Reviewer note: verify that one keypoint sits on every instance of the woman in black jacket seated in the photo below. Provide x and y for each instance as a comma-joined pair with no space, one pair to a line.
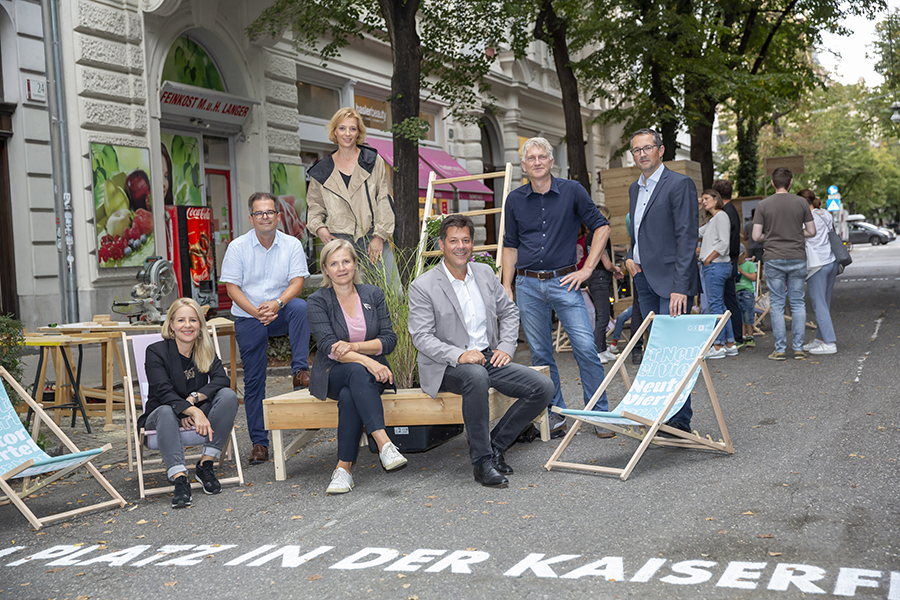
188,388
353,333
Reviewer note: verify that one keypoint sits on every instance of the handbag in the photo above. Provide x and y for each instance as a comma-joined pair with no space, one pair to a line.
841,254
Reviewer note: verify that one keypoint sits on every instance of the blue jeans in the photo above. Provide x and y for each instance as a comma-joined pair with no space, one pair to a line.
536,299
715,275
253,342
787,274
820,287
620,322
651,302
747,302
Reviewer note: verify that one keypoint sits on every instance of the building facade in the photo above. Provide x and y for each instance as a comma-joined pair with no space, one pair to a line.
174,118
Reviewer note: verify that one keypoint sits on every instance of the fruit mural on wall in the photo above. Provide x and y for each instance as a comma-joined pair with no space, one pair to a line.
122,205
289,186
187,62
181,169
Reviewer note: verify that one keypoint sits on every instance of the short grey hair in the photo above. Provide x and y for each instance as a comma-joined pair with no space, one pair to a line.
657,138
540,142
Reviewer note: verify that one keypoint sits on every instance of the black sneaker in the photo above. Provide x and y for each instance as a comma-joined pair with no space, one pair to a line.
182,497
207,476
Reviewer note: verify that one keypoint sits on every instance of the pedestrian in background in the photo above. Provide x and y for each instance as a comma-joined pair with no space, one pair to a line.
717,269
782,222
820,282
723,186
746,295
598,285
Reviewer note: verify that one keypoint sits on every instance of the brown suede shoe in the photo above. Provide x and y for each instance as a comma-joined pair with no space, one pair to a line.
260,454
604,433
301,379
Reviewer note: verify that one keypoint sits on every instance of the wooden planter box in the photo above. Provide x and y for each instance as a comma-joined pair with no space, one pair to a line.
301,410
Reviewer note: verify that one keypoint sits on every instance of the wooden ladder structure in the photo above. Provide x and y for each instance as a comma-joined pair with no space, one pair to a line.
422,253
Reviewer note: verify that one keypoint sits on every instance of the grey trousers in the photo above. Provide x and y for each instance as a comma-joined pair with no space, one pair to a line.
167,424
534,392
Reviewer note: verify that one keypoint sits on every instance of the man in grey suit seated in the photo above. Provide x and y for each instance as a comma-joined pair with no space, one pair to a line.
453,318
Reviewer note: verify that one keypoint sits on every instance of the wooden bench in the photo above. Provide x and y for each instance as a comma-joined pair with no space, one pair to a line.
301,410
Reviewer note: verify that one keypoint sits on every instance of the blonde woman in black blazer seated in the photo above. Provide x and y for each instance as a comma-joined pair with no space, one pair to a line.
354,334
188,387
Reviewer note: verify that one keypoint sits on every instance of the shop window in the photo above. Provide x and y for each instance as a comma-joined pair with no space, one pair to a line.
215,151
187,62
316,101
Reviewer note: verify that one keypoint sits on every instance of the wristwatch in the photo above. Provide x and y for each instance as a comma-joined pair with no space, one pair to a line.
280,303
194,395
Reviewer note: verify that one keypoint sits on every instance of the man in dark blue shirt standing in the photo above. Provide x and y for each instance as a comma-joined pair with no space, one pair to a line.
542,219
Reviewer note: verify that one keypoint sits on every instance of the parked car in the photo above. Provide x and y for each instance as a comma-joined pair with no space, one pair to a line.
861,232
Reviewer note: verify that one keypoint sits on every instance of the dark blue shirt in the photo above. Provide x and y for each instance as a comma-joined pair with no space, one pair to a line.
544,227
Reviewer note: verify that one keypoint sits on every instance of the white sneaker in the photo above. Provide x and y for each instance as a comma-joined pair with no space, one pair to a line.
606,356
341,482
733,351
612,347
713,353
823,348
391,459
812,344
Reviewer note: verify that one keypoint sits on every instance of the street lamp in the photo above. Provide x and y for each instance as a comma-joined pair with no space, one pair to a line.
895,118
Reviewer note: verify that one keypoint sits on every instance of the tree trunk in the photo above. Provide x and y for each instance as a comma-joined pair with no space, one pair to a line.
551,30
703,107
668,123
748,155
400,17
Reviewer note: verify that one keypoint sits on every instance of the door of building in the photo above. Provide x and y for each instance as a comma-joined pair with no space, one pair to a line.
218,198
9,297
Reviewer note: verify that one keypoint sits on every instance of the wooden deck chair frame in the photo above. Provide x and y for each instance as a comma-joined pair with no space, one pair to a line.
644,429
139,437
68,463
422,253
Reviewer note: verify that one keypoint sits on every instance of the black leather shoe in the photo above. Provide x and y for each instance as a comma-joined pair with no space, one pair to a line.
675,425
487,475
500,462
637,356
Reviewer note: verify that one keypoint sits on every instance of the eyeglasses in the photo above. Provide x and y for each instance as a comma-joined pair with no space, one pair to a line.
268,214
538,158
645,150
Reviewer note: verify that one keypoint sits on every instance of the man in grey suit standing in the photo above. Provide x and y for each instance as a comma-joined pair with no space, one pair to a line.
662,259
453,318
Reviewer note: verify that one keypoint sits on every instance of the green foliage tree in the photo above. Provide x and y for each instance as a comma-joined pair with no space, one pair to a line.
835,129
445,48
676,63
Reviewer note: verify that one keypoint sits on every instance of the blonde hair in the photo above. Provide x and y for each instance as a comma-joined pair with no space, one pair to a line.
329,249
604,210
203,346
345,113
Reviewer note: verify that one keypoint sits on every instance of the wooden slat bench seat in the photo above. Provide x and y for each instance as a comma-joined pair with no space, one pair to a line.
301,410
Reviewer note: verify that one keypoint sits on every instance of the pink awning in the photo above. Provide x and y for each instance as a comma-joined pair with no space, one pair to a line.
447,167
386,150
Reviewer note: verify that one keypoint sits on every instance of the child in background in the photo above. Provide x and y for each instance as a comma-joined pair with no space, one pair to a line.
746,296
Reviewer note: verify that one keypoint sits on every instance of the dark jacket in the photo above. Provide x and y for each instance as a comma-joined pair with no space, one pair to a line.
668,235
326,320
167,383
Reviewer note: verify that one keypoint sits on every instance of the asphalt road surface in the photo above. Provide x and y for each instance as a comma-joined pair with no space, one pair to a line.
806,507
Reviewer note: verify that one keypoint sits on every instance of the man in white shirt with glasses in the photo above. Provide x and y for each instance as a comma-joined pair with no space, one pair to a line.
263,271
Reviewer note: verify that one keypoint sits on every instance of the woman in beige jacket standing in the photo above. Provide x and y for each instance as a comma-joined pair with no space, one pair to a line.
349,194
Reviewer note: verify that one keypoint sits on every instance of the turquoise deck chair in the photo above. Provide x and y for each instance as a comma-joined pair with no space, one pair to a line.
673,359
21,458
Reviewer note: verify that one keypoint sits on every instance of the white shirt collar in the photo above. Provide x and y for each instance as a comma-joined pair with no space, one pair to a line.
654,177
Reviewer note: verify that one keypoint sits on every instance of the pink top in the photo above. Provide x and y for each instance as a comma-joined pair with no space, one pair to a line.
356,326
